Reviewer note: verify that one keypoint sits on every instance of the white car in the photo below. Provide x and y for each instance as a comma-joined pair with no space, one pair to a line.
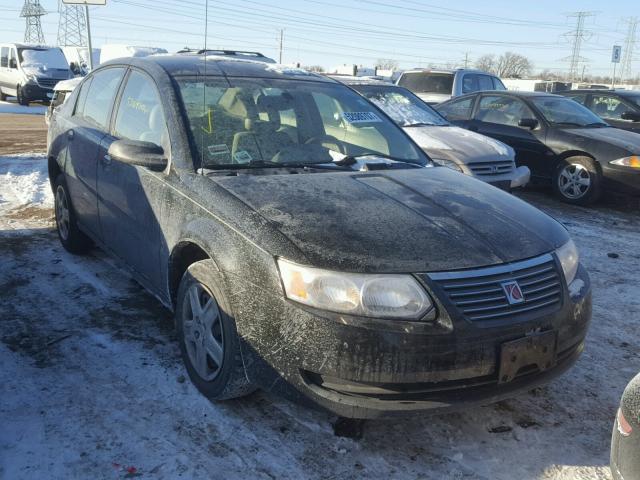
467,152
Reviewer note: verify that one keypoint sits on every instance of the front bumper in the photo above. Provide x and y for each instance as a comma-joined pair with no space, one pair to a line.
368,368
34,92
623,180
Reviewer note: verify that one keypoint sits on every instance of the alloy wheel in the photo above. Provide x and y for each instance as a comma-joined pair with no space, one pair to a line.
62,213
574,181
202,329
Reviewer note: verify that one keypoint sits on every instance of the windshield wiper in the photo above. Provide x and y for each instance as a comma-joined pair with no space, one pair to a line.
353,159
259,164
571,124
597,124
423,124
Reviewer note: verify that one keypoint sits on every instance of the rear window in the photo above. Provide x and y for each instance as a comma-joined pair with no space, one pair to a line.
427,82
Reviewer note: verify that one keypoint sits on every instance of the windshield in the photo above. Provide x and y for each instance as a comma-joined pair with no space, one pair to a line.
43,57
240,122
427,82
401,105
561,110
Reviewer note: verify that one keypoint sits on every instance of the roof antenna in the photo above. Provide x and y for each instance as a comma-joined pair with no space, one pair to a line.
204,81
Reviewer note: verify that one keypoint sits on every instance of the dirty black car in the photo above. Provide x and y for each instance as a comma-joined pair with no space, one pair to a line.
343,271
625,439
562,142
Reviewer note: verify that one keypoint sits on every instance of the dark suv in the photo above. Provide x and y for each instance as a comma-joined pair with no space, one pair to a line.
306,244
620,108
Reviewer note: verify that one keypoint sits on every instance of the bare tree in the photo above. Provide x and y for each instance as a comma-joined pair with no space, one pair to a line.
387,64
486,63
513,65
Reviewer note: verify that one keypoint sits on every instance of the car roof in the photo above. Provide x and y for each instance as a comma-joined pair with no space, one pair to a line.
448,70
211,65
509,93
619,91
351,80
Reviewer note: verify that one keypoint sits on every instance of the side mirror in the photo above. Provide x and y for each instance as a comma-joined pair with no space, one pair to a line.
13,63
529,123
633,116
143,154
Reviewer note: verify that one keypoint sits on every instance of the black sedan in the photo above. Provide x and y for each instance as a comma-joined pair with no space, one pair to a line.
625,440
620,108
306,244
562,142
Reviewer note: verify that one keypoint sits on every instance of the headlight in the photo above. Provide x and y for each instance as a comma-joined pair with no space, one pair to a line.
569,259
448,163
370,295
631,162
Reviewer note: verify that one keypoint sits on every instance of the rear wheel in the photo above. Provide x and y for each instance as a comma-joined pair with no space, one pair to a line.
71,237
207,334
20,97
577,180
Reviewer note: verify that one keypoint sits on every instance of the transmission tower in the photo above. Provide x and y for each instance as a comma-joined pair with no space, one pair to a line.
72,26
577,37
630,42
32,11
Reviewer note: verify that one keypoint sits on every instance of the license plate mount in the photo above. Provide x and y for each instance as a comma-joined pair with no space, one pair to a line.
538,349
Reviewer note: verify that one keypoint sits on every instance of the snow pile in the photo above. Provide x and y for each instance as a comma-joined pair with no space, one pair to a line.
9,107
113,51
25,181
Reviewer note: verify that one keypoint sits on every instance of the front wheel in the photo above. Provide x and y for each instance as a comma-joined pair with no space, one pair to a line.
71,237
207,334
577,180
22,100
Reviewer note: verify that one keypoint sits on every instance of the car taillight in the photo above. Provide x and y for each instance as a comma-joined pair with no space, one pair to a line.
623,426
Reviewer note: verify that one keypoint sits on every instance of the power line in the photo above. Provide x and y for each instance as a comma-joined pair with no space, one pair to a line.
630,42
577,37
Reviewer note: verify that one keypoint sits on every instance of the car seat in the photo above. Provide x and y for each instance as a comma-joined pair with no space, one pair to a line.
157,130
600,109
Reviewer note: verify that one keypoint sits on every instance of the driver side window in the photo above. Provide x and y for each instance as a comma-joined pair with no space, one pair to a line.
502,110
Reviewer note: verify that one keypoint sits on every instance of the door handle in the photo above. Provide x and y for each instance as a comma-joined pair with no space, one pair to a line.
70,134
106,160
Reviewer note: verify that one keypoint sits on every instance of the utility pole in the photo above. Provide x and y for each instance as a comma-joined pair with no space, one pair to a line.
630,42
281,39
577,37
72,26
466,60
32,11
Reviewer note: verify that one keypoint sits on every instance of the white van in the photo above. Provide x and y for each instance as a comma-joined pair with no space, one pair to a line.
29,72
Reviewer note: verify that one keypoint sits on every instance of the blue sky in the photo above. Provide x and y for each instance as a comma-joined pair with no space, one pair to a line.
336,32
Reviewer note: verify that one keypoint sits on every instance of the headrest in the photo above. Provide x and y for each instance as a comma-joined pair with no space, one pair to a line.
155,119
238,103
279,103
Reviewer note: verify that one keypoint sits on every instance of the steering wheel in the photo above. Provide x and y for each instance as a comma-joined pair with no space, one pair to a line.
327,141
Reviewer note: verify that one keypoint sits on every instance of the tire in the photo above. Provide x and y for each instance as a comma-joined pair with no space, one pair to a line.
71,237
21,99
3,96
578,180
222,377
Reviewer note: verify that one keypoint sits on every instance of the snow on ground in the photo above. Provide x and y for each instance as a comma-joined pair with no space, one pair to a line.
13,107
92,385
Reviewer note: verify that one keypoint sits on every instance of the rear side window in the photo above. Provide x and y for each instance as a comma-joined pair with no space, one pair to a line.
581,99
427,82
457,109
497,84
4,57
101,95
140,115
503,110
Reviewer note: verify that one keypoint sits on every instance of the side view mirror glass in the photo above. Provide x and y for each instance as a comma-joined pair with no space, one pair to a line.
143,154
529,123
633,116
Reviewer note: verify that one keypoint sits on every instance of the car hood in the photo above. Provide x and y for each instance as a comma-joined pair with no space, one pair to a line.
614,136
455,143
408,220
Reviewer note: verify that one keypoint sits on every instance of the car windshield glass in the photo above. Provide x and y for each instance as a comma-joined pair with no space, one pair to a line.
401,105
561,110
427,82
268,122
43,57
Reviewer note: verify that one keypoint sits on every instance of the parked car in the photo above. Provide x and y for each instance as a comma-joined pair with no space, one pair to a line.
467,152
339,269
436,86
561,142
625,440
60,93
620,108
29,72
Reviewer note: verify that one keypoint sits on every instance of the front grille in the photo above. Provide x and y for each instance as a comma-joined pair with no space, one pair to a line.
479,295
491,168
47,82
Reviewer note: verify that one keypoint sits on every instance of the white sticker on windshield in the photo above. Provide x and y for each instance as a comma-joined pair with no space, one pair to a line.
220,149
242,156
360,117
